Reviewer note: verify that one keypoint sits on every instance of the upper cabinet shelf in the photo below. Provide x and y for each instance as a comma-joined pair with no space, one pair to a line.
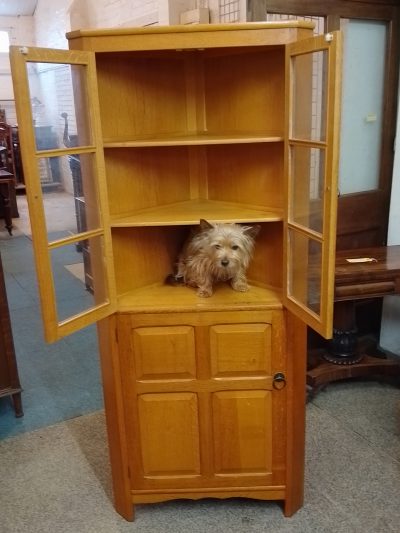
190,212
192,98
194,139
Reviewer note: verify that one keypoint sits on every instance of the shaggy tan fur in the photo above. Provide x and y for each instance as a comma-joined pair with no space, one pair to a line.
217,252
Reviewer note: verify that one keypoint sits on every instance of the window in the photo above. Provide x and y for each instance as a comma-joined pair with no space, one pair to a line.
4,41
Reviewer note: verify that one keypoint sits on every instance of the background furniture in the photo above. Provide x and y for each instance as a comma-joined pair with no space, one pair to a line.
9,379
6,145
7,168
79,200
6,189
347,357
19,170
204,397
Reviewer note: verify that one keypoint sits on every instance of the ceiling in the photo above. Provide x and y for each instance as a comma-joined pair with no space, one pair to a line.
13,8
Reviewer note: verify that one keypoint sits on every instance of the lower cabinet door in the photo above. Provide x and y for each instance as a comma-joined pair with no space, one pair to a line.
200,407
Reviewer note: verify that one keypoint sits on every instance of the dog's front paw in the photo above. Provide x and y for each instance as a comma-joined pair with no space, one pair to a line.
204,292
240,286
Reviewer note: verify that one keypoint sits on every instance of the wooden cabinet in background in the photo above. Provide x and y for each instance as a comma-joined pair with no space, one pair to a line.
204,397
9,378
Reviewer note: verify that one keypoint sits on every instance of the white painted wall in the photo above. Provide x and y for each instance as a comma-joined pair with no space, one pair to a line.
50,25
390,328
110,13
21,32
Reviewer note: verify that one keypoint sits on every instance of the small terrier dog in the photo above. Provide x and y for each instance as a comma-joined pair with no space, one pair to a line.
216,252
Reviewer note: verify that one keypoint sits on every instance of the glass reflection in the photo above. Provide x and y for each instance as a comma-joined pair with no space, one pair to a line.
69,194
305,270
364,71
78,275
59,105
307,186
309,96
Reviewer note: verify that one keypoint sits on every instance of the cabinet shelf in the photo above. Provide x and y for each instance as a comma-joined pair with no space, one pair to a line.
181,139
163,298
191,211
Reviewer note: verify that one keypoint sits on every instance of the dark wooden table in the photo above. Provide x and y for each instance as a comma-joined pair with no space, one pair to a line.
345,356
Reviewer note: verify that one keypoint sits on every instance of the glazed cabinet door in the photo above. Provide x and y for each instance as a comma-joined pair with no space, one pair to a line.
313,69
62,152
202,408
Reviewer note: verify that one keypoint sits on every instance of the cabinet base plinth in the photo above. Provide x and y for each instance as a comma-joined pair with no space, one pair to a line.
276,493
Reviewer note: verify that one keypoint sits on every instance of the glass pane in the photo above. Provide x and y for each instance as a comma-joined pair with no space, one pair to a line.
59,105
307,186
78,274
364,59
69,194
305,266
309,96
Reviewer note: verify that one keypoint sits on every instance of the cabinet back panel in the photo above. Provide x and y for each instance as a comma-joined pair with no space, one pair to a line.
249,173
142,178
144,256
144,95
245,92
266,266
147,177
134,92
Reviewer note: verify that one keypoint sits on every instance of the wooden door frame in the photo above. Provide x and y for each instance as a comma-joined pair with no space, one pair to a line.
369,227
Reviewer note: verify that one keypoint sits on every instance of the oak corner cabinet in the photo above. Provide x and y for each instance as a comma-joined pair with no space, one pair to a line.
204,397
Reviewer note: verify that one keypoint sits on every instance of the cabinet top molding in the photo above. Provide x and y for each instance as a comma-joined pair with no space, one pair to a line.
193,36
190,28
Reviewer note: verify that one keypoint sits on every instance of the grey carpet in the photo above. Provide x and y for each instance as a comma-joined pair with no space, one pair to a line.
57,479
61,380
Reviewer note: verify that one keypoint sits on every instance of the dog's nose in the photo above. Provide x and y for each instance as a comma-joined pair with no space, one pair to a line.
224,262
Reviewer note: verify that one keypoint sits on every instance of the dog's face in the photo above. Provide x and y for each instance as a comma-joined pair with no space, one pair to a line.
214,253
228,246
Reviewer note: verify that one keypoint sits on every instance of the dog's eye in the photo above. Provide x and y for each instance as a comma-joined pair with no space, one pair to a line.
218,246
235,247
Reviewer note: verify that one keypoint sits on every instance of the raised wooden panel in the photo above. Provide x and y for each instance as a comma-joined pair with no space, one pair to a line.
164,352
169,434
240,350
242,423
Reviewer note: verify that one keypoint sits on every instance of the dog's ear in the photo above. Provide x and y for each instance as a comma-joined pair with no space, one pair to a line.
204,225
252,231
